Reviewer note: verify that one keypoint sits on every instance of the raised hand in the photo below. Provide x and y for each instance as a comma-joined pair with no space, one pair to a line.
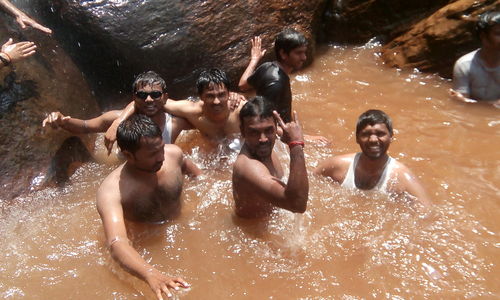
234,100
110,136
55,120
257,53
19,50
161,284
24,21
292,132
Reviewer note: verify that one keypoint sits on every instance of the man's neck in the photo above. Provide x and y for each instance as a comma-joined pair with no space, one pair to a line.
219,119
490,57
137,173
288,70
372,166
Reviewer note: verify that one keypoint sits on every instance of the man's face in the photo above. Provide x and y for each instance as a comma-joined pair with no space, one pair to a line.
374,140
260,135
150,99
150,155
215,98
296,58
491,39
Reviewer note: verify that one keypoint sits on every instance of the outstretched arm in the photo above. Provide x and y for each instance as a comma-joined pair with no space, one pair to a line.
22,18
189,168
78,126
255,55
111,212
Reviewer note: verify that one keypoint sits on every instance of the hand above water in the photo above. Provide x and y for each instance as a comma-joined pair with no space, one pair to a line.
19,50
256,52
55,120
292,132
110,136
24,21
460,97
235,99
162,284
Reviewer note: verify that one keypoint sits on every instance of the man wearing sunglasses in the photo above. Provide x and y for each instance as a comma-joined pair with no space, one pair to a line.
213,116
149,96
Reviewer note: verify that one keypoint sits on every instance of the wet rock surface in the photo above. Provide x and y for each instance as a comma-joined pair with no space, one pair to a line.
45,82
177,38
435,43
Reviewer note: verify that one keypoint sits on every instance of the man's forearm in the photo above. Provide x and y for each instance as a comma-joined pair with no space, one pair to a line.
243,84
130,259
10,8
297,188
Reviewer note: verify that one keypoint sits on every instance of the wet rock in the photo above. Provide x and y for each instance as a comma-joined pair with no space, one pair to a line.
357,21
435,43
177,38
30,89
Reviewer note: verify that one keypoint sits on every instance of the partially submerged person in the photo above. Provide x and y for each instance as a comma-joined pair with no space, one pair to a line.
12,52
373,168
271,79
146,189
212,116
476,75
257,172
149,96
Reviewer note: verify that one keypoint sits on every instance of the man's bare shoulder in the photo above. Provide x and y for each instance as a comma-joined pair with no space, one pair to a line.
335,164
109,189
246,167
172,151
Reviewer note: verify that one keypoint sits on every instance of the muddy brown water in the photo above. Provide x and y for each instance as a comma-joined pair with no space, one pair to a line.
348,245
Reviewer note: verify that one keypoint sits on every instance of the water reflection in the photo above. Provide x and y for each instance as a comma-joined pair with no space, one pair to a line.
347,245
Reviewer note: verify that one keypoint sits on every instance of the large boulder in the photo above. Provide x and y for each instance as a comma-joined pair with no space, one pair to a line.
435,43
114,40
357,21
35,86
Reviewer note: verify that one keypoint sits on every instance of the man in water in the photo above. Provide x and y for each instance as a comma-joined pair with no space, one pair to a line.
271,79
149,96
146,188
212,116
373,168
257,173
476,75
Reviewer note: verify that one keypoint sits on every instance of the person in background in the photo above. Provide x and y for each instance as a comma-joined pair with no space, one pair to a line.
476,75
12,52
145,189
373,168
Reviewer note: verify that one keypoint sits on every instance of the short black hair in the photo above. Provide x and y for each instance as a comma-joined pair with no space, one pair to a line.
256,107
288,39
130,131
207,77
372,117
486,21
148,78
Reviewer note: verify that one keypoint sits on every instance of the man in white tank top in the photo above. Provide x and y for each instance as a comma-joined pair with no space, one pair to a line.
373,168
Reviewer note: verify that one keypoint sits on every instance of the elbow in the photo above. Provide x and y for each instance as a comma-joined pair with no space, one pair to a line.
300,205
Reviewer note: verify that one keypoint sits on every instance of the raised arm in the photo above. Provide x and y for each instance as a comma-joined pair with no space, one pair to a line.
22,18
182,108
78,126
110,136
255,55
111,212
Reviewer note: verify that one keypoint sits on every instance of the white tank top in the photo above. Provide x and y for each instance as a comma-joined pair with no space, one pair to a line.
349,180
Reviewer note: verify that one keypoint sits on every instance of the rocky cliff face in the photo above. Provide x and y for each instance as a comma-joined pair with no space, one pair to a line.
436,42
45,82
176,38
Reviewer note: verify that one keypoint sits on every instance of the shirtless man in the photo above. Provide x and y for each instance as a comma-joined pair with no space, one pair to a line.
149,96
373,168
257,173
146,188
212,115
476,75
271,79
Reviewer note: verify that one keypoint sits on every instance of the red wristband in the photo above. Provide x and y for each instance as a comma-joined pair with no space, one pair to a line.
295,143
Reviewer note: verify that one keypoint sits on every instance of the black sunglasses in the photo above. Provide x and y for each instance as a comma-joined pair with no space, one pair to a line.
144,95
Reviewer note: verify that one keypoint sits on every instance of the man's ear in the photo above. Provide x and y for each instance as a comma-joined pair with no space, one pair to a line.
128,155
283,54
